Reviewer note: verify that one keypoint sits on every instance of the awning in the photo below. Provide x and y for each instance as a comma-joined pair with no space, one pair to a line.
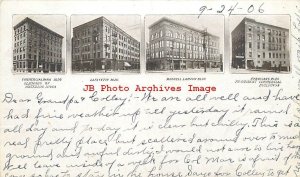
127,64
239,56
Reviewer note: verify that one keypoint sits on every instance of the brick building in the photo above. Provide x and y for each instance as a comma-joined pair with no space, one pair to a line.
101,45
36,48
173,45
258,45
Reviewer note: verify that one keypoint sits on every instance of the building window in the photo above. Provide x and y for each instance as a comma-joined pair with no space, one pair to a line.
263,45
169,33
161,33
250,45
258,45
258,55
269,55
264,55
249,28
250,54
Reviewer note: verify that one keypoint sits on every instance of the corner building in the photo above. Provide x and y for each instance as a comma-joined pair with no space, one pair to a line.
260,46
36,48
101,45
173,45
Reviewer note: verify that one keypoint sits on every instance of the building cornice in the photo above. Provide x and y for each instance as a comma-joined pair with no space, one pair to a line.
102,18
246,19
180,24
29,20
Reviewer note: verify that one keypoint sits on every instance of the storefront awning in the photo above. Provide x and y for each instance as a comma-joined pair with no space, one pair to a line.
127,64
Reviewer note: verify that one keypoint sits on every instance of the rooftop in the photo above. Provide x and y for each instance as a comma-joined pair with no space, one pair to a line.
180,24
29,20
104,19
253,20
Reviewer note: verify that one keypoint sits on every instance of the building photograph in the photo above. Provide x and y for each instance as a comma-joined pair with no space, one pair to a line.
39,43
260,43
109,43
184,43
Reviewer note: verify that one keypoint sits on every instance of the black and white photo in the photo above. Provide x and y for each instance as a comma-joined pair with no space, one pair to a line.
184,43
39,43
260,43
109,43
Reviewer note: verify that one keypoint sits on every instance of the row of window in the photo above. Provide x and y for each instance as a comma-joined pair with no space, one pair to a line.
34,32
88,56
108,48
88,32
177,45
170,54
55,52
20,36
271,55
269,31
177,35
31,56
277,39
270,46
20,43
107,40
31,65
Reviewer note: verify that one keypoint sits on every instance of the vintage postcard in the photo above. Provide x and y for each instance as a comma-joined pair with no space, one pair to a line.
149,88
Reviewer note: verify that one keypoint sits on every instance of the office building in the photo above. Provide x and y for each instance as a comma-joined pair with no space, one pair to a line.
260,46
36,48
101,45
176,46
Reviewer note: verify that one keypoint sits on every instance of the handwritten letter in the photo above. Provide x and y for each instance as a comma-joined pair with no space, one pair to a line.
151,134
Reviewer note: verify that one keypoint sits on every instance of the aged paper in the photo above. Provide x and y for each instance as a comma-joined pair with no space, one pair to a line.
149,88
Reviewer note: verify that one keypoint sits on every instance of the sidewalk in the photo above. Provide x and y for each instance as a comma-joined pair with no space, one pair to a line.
201,70
133,71
249,71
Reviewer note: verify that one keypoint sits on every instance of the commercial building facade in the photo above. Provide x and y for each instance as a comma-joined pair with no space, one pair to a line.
101,45
260,46
36,48
176,46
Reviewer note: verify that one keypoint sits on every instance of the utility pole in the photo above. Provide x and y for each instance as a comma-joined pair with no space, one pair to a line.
95,40
204,48
172,47
106,46
115,42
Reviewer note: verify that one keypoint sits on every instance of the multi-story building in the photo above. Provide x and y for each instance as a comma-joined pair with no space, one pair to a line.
174,45
36,48
101,45
258,45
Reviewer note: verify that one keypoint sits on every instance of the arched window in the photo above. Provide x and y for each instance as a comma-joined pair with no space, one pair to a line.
161,33
169,33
